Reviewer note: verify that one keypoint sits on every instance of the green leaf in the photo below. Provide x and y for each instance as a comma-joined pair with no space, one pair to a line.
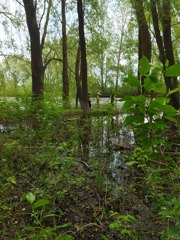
64,225
140,98
131,163
173,71
41,203
148,84
128,103
144,66
30,197
174,230
171,119
12,180
133,81
174,90
64,237
32,229
167,63
155,73
114,225
129,120
169,110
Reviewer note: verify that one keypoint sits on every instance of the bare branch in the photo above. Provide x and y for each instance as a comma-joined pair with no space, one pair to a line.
50,60
20,57
46,24
44,9
58,60
8,15
19,3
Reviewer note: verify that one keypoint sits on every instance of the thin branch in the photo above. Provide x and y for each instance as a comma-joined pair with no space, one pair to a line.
7,14
56,59
46,24
44,9
50,60
19,3
15,56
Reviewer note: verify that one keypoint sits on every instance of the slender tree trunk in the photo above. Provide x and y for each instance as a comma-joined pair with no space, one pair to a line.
102,73
85,98
118,60
36,52
65,58
166,21
78,78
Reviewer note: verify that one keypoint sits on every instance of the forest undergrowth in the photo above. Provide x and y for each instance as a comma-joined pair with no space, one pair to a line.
55,186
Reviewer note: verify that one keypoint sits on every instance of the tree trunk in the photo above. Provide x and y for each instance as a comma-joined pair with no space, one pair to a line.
159,41
78,78
36,53
166,21
65,58
102,72
144,35
85,98
118,60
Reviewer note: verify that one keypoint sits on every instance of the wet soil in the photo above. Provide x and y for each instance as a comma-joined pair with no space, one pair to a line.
98,182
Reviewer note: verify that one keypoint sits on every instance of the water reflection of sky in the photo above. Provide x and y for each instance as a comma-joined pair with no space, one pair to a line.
106,131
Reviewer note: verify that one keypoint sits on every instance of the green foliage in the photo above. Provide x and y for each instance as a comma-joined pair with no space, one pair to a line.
173,71
147,113
171,210
144,66
149,117
123,226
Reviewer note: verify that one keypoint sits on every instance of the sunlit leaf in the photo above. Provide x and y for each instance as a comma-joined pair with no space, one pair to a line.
30,197
174,90
131,163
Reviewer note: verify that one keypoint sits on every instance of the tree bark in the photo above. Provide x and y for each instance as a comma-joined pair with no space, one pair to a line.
36,52
85,98
144,34
102,72
169,54
78,78
65,57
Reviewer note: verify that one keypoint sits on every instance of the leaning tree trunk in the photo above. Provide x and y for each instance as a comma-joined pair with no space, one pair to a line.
144,35
166,22
36,53
85,105
65,58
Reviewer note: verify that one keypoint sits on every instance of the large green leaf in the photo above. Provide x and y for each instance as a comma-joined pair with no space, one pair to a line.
148,84
133,81
173,71
144,66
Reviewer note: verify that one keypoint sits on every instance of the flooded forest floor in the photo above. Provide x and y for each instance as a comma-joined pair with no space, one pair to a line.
72,179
